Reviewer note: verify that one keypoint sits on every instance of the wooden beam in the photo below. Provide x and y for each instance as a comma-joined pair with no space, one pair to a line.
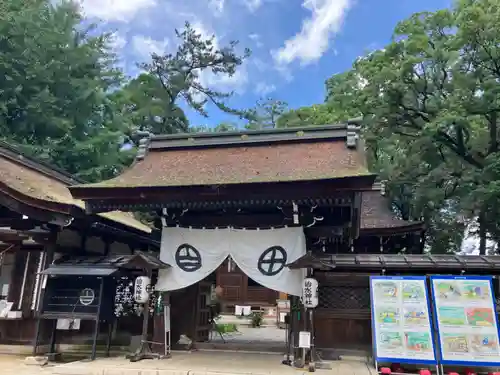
257,219
11,236
152,197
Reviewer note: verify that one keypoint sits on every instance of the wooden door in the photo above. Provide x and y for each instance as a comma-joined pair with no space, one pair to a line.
232,282
342,319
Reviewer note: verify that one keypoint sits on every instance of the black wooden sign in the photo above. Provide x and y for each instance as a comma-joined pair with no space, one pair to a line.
71,296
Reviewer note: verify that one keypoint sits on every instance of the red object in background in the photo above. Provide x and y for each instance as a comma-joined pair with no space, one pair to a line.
493,373
424,372
385,370
469,372
453,373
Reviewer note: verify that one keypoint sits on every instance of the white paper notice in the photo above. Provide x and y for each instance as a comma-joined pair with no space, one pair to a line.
400,320
466,319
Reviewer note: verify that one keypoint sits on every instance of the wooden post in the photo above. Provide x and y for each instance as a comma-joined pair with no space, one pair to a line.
37,334
49,257
144,351
111,324
97,320
53,333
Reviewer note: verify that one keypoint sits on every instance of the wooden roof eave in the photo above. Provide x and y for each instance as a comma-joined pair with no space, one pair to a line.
100,199
420,264
51,212
61,214
399,230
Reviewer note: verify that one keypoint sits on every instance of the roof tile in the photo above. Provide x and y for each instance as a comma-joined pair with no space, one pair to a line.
38,185
376,212
243,164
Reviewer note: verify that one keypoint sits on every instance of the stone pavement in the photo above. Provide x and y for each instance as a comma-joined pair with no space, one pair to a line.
181,363
262,339
249,334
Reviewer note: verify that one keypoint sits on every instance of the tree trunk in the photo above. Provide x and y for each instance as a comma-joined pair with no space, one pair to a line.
482,233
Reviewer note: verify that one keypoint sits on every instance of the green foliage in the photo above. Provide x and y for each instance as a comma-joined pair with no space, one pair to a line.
220,128
54,85
257,318
63,100
144,105
180,74
266,114
317,114
431,100
226,327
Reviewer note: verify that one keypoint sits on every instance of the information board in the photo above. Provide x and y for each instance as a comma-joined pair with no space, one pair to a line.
467,324
401,324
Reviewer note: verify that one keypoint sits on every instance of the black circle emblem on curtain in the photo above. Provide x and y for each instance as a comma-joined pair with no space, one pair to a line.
272,261
188,258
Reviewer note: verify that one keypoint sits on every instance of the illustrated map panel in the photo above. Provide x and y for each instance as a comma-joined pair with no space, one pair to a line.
466,320
400,319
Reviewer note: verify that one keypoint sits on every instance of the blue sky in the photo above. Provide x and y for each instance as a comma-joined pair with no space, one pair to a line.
296,44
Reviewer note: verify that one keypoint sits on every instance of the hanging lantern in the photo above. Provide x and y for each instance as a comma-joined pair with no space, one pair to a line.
141,289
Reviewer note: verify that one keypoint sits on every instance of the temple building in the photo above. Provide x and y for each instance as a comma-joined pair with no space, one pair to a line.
281,204
41,224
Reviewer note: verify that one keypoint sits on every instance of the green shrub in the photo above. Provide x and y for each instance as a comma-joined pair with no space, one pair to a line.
227,328
257,318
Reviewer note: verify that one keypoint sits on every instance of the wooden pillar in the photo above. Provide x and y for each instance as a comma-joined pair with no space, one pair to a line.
43,326
97,320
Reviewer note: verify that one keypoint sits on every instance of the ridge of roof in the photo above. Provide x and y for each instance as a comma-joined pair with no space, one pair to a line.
348,131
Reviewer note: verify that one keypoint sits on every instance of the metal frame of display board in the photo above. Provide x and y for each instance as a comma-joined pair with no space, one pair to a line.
442,361
374,333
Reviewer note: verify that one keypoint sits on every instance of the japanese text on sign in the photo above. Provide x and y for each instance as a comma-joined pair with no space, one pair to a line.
310,293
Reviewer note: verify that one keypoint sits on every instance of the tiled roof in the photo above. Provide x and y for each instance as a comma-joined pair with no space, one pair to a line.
40,183
376,213
244,158
449,263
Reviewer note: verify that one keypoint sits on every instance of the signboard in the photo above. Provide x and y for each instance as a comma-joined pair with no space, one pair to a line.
68,324
304,340
401,324
466,320
141,289
310,293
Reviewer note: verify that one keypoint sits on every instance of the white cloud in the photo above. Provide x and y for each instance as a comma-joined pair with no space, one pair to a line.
114,10
144,46
217,6
117,42
205,32
264,89
237,82
252,5
312,41
256,39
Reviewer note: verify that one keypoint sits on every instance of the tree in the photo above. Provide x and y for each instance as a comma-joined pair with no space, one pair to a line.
54,88
266,114
317,114
435,87
180,76
223,127
143,105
